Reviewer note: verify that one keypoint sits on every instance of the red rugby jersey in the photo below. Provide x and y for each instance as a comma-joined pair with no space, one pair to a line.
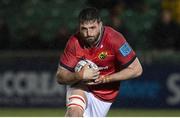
111,55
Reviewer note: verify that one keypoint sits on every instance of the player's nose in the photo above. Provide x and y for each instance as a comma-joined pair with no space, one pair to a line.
89,33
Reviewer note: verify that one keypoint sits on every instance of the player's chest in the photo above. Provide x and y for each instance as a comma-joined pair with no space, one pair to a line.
100,56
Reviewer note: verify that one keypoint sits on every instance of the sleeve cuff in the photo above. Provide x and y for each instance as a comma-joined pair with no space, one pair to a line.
67,67
128,63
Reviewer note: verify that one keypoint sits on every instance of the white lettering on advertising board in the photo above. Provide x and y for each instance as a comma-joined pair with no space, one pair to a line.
174,88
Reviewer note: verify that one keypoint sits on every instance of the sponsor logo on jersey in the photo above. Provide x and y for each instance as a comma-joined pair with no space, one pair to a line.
125,49
103,68
102,55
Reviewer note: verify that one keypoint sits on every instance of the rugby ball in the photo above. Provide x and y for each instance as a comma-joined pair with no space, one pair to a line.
81,63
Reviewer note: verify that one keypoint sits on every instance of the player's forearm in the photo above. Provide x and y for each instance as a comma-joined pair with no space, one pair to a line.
125,74
66,77
132,71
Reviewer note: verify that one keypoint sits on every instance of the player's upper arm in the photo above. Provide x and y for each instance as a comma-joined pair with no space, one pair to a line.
123,51
68,59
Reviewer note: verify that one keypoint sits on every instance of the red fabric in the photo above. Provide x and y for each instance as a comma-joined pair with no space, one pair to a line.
108,55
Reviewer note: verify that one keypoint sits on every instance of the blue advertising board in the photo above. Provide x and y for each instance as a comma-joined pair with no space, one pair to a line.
31,82
158,87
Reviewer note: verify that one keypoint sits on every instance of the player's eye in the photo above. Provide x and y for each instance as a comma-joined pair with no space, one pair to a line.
83,29
93,27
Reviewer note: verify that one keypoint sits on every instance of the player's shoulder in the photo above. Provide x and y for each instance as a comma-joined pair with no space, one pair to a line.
112,32
73,38
113,36
72,42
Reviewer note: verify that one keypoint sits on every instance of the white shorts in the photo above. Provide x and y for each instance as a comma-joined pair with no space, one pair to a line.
94,106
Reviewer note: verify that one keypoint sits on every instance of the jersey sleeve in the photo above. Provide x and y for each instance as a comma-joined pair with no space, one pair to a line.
68,59
123,51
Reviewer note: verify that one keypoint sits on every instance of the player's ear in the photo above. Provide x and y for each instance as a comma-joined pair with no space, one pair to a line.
100,23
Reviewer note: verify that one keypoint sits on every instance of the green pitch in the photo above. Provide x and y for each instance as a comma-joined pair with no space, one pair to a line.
55,112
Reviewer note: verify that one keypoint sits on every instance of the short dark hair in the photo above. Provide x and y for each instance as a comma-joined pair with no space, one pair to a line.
89,14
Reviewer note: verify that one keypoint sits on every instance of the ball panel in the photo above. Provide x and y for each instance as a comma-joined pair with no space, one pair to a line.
81,63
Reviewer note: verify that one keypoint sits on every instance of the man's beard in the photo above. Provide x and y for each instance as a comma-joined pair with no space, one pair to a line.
91,40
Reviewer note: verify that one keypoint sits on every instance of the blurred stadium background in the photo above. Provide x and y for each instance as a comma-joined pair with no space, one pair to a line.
33,34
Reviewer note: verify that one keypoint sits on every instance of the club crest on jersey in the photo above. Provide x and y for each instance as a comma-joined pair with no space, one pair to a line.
125,49
102,55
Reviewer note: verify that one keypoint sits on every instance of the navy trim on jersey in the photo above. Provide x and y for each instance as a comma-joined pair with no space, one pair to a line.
67,67
127,64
